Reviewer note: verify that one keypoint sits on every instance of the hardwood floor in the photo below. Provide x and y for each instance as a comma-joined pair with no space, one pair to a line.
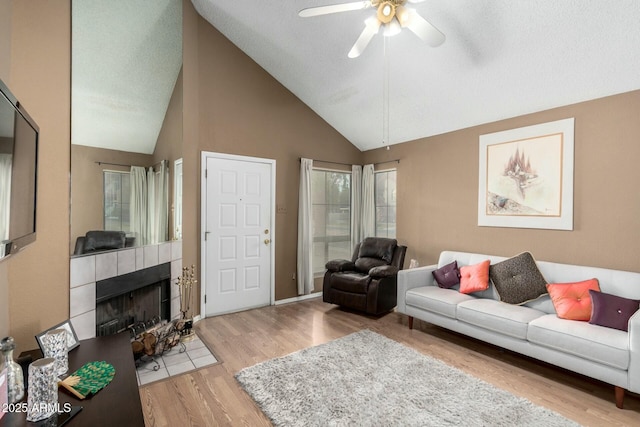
211,396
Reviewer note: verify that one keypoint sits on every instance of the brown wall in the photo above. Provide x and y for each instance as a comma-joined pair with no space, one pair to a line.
438,190
169,144
38,277
5,62
243,110
86,184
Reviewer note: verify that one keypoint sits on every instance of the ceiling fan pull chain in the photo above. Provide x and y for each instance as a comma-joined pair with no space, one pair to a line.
385,92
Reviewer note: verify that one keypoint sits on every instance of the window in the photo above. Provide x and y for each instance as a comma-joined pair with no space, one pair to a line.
331,216
385,196
116,200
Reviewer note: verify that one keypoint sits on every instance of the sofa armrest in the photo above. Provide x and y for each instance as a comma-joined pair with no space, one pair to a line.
413,278
634,353
340,265
383,271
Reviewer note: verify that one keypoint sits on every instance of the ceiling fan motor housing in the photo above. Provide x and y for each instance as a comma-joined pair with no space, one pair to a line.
387,9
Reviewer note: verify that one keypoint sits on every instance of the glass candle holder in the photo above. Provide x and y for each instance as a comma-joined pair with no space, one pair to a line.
42,396
55,346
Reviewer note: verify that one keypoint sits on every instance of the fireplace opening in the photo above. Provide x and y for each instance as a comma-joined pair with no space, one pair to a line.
124,302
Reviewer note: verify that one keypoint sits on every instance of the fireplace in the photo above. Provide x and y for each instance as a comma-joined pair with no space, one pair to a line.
140,297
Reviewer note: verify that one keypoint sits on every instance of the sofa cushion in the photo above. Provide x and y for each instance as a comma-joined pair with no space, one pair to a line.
517,279
612,311
572,300
511,320
596,343
365,264
378,247
437,300
474,278
447,275
350,282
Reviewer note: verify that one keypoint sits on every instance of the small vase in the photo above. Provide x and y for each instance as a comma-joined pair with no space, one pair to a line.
15,379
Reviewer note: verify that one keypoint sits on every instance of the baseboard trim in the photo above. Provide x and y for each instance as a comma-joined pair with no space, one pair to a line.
298,299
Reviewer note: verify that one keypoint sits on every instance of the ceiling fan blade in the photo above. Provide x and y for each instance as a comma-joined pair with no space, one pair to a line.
325,10
423,29
371,29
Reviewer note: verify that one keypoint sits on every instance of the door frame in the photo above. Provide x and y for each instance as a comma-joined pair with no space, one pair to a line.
203,217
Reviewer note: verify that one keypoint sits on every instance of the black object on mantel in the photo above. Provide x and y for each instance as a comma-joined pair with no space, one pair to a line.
118,404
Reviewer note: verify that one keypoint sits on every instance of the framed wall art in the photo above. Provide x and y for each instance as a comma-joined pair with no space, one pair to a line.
72,338
526,177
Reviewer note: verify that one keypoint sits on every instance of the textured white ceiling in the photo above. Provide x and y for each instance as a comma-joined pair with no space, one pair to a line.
501,59
126,57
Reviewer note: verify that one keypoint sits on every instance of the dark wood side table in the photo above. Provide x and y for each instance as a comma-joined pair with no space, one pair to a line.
118,404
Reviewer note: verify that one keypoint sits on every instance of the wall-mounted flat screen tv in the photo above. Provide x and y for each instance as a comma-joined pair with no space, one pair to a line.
18,174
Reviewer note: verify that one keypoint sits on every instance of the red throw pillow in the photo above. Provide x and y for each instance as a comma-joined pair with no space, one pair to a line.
474,278
572,300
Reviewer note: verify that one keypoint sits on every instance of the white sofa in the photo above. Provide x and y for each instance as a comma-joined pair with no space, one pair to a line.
533,329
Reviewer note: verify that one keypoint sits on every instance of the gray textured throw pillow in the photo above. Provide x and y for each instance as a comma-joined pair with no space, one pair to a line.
517,279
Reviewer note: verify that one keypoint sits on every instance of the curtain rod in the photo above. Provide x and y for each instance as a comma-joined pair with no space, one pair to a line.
126,166
349,164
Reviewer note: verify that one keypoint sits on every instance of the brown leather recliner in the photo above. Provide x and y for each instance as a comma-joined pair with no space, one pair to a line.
368,282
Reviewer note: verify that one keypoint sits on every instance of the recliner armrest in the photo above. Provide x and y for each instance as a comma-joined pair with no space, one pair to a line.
340,265
383,271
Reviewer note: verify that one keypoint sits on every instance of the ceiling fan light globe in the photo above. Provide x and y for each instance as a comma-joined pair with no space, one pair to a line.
403,15
392,28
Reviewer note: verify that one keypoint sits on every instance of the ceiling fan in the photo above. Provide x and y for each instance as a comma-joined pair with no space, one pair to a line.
392,14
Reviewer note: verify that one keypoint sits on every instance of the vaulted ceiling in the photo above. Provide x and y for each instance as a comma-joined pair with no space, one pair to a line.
501,59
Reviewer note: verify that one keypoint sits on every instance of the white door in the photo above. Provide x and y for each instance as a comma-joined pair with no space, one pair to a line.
237,232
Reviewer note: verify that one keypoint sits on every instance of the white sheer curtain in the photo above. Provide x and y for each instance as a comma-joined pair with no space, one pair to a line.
161,211
368,212
138,211
305,230
356,205
152,230
5,194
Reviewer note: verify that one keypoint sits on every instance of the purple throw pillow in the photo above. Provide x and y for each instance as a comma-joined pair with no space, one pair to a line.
612,311
447,275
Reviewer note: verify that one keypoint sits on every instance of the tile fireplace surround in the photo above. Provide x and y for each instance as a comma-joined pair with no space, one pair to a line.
86,270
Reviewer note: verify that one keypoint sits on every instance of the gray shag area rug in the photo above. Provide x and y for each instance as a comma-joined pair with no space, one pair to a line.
366,379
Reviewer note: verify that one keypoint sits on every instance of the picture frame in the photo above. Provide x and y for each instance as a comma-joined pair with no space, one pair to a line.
526,177
72,338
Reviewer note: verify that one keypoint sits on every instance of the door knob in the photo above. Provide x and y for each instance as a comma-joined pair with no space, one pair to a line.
267,241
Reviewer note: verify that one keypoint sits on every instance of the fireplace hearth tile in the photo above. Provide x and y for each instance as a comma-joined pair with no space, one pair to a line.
174,357
181,368
82,271
126,261
150,256
196,356
139,258
164,253
176,250
82,299
151,376
106,266
196,353
204,361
